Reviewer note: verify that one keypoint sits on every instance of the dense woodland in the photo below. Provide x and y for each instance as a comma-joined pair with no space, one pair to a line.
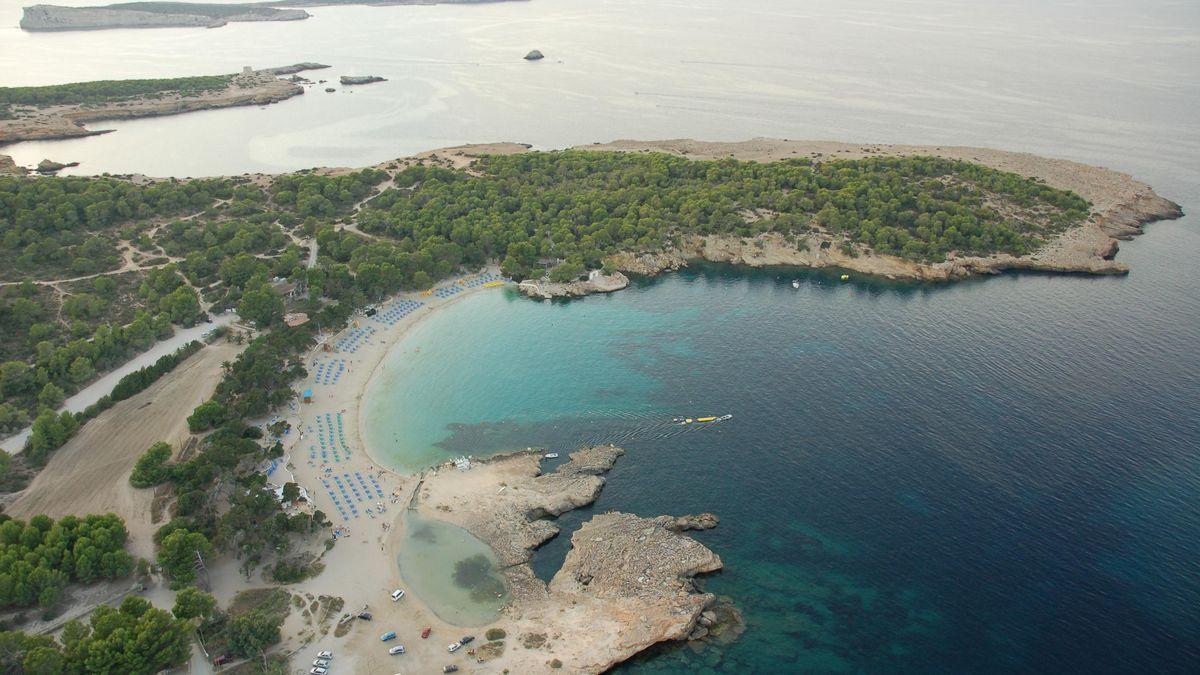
39,558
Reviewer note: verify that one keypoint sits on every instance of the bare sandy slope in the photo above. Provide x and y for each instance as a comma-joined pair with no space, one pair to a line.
90,474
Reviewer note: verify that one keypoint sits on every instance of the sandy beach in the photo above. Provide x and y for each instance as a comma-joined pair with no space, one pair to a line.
361,568
642,593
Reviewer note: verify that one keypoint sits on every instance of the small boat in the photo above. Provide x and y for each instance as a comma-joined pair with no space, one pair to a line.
795,283
425,633
705,419
687,421
725,417
551,455
845,277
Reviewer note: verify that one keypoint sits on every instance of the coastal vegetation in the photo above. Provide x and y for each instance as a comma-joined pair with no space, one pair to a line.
108,91
579,206
132,638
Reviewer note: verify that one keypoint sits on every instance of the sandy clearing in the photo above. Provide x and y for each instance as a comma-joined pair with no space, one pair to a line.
90,474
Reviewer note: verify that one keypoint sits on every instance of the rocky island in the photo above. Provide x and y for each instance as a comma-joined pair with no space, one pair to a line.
61,111
360,79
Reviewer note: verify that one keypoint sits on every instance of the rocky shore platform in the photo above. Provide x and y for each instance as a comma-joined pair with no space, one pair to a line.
627,583
595,283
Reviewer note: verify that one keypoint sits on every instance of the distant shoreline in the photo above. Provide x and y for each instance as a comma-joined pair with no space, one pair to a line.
60,18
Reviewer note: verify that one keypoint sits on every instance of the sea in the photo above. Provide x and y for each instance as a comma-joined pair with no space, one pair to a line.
992,476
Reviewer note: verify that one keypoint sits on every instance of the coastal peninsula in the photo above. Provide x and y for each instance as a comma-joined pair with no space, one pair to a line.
186,14
150,15
61,111
328,269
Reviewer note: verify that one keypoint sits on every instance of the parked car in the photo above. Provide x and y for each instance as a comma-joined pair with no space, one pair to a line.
318,671
449,669
397,594
425,633
454,646
324,654
390,635
222,659
365,616
321,663
398,649
466,639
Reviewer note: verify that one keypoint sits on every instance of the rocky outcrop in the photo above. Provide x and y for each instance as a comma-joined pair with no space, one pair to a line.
295,68
10,168
149,15
1125,220
595,283
50,166
360,79
534,55
647,264
700,521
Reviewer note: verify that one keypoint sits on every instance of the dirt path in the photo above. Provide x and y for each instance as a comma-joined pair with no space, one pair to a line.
90,474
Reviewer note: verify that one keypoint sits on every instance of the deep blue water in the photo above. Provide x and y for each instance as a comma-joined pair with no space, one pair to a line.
990,476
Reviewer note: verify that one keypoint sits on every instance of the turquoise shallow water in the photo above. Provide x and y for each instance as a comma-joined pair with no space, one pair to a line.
991,476
451,570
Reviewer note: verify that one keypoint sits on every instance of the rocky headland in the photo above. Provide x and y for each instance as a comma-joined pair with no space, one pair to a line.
627,583
150,15
250,87
1121,206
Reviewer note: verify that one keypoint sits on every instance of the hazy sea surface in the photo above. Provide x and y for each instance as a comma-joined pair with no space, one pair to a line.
1109,82
991,476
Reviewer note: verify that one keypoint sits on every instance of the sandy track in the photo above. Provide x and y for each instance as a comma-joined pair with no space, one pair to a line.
90,474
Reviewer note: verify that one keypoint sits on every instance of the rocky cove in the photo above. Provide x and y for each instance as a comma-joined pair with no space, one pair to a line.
626,584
